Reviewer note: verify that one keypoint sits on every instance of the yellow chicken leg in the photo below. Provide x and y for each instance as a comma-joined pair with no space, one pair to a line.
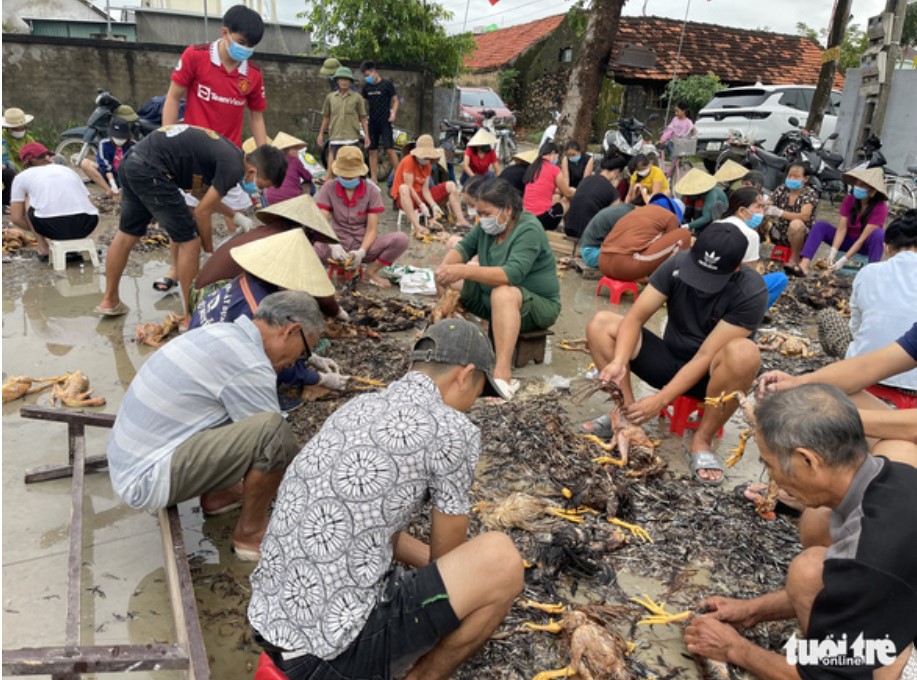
551,627
735,455
658,613
569,516
566,672
635,531
544,607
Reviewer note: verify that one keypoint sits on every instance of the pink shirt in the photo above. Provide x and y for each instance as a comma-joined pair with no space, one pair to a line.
679,127
292,182
854,228
539,195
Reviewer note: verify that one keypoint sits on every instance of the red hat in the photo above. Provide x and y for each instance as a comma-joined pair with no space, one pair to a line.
33,150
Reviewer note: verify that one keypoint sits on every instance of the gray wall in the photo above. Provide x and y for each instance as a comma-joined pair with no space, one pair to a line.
56,79
899,133
171,28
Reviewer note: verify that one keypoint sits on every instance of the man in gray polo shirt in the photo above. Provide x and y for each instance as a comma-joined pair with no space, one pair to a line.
201,418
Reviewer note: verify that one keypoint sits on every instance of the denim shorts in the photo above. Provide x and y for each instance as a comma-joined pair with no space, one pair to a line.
413,615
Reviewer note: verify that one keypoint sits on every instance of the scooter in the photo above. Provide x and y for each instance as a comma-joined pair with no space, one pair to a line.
800,145
453,137
625,139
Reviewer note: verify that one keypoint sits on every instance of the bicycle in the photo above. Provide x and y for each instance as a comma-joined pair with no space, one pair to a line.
902,189
683,148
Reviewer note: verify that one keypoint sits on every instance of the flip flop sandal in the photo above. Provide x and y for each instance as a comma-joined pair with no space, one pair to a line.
781,508
222,511
246,555
705,460
600,427
164,284
120,310
794,270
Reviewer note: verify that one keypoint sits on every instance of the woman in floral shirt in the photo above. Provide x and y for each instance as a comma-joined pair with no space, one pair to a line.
793,209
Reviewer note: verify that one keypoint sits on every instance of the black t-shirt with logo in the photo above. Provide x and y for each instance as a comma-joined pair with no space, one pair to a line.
693,315
379,100
194,158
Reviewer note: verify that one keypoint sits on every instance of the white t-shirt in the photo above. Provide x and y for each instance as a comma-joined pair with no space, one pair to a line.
53,191
753,252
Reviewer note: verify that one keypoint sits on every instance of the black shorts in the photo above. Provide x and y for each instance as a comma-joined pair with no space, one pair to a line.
147,194
413,615
64,227
552,217
656,365
380,134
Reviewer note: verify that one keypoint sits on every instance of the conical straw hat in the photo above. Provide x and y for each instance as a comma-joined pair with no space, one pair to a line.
301,210
285,141
730,171
526,156
286,260
695,183
249,144
873,177
482,138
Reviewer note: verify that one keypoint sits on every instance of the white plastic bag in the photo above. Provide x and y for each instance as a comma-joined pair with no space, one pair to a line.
419,282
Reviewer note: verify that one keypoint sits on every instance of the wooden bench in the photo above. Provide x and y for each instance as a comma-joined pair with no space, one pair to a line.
530,346
72,660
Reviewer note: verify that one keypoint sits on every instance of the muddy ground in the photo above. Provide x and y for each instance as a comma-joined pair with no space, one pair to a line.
705,541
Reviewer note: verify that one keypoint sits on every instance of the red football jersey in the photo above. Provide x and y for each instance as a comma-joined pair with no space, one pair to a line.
216,97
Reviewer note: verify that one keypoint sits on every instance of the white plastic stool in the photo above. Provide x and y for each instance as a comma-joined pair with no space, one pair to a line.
402,214
59,250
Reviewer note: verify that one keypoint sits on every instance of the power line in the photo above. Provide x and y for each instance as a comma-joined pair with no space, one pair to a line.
506,11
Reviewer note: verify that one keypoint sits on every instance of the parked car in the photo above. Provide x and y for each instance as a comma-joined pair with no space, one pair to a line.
758,111
475,100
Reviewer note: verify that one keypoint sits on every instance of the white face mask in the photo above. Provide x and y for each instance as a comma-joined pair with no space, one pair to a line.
643,173
18,134
118,141
492,226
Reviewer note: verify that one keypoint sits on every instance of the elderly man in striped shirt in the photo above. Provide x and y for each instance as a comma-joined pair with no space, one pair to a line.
201,418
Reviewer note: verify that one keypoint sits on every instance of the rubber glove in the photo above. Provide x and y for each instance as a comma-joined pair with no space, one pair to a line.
837,266
338,253
244,223
773,211
424,210
357,256
323,364
333,381
832,256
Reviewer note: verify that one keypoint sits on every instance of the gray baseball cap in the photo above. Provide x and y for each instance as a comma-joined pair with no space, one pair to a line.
458,342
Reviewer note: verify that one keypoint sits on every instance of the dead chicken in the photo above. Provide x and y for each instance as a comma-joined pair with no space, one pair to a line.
521,510
600,495
626,434
153,334
74,391
18,386
597,651
786,344
447,306
14,239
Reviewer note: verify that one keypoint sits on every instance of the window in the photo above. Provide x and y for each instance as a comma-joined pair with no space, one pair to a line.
793,99
735,99
566,55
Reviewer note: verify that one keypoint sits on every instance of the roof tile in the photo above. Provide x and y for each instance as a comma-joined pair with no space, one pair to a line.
497,48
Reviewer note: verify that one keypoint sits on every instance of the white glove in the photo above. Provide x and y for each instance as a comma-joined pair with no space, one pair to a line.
437,212
841,261
244,223
358,256
323,364
773,211
832,256
424,210
342,315
333,381
338,253
115,189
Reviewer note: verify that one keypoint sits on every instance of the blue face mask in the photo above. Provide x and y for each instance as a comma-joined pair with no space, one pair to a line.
793,184
370,79
555,161
349,183
755,220
859,193
239,52
249,187
573,159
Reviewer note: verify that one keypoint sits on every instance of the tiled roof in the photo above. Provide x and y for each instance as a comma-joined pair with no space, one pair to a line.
500,47
736,55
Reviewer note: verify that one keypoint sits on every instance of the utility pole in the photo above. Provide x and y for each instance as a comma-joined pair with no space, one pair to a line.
899,9
829,65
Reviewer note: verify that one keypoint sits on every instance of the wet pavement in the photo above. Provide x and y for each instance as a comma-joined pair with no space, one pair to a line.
49,328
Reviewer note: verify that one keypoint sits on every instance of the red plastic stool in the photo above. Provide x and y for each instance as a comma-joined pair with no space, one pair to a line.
679,412
782,253
267,670
899,399
616,289
336,270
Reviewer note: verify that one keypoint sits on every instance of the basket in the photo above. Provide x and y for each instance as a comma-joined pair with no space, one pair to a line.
684,146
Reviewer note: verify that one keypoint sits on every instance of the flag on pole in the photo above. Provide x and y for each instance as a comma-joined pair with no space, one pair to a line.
494,2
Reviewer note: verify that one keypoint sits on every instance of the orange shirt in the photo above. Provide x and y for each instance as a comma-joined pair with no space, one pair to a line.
410,166
638,229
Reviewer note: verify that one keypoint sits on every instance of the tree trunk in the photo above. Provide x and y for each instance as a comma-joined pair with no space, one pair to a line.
822,93
589,71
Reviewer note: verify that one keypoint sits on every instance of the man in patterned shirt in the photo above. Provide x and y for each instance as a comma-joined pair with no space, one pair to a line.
326,598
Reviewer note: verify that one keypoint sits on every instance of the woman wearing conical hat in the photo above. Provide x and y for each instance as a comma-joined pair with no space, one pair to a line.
298,180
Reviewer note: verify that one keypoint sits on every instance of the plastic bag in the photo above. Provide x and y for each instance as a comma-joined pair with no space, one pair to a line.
418,282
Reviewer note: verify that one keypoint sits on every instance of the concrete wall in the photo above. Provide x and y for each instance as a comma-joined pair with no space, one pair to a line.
899,133
56,79
175,28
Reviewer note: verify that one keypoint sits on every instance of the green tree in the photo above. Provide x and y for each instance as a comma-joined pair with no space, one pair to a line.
855,43
389,31
909,34
695,91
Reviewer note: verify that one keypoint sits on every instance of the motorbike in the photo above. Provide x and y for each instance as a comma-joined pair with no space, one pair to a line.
453,137
506,138
624,138
800,145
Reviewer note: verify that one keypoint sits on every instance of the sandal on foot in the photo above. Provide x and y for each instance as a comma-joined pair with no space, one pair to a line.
794,270
118,310
246,554
229,507
705,460
164,284
781,508
507,389
600,427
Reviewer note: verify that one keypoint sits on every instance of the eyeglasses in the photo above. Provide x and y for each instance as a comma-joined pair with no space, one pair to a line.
305,343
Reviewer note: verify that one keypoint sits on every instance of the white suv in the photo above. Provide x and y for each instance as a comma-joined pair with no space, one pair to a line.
763,111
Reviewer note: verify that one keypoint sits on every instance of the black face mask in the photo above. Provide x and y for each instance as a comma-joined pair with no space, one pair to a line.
484,149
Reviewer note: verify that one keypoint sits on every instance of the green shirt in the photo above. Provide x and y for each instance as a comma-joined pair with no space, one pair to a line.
525,256
711,198
603,222
345,114
13,146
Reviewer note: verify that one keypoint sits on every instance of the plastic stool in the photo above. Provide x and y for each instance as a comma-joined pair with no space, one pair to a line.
342,273
402,215
616,289
782,253
267,670
898,398
679,412
59,250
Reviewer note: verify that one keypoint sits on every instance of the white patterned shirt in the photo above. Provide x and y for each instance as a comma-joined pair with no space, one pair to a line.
203,379
350,490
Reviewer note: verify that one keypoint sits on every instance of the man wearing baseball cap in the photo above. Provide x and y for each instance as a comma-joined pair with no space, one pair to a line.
339,519
714,304
50,200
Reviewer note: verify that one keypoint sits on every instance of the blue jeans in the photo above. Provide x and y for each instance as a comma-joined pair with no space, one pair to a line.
776,283
591,256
